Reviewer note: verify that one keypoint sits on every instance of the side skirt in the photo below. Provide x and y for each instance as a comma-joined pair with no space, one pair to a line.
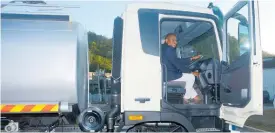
193,118
151,117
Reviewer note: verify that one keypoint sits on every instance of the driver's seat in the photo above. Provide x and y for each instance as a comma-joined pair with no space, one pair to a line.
172,92
175,93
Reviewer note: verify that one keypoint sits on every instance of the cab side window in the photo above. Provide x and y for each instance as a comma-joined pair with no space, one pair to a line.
149,30
237,35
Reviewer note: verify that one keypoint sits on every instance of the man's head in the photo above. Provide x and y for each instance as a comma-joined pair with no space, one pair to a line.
171,40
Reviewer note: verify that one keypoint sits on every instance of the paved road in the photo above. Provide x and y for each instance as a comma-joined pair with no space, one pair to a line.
251,129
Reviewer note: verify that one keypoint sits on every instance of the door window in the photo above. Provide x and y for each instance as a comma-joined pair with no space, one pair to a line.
237,35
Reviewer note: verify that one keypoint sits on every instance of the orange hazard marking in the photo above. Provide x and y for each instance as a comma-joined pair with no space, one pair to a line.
23,108
7,108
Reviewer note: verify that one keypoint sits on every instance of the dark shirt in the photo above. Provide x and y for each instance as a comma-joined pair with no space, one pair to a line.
173,65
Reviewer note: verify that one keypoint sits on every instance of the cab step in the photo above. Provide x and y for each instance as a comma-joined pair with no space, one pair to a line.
208,130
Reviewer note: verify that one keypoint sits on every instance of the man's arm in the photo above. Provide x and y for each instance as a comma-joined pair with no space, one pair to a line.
180,63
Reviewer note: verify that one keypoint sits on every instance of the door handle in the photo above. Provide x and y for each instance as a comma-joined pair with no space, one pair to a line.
142,100
256,63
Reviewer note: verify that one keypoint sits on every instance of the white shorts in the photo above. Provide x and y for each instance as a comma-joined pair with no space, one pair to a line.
186,81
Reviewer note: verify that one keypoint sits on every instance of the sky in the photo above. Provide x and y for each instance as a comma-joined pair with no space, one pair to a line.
97,16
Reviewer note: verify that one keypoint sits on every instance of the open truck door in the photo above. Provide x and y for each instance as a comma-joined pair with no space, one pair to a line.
241,88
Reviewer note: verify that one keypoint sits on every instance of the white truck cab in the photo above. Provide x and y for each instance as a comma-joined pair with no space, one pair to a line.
230,71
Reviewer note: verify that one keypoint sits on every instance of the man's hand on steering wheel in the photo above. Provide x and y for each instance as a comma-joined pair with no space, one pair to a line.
196,57
195,63
196,74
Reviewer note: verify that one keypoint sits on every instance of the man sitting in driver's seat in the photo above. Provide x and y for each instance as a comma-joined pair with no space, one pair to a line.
177,71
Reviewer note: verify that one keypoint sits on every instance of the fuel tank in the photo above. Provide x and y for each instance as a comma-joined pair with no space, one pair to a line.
44,59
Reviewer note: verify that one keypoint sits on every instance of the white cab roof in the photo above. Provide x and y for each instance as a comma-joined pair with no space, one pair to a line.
134,7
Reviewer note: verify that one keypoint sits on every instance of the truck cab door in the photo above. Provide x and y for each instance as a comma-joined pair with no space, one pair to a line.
241,88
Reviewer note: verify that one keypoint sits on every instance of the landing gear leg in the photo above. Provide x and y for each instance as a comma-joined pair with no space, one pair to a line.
54,124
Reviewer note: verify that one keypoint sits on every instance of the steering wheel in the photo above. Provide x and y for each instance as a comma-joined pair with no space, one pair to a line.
193,65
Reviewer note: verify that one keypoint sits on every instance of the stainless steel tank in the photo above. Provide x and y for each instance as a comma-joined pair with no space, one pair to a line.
43,60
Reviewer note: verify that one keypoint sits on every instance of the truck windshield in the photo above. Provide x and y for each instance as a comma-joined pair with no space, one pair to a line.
194,37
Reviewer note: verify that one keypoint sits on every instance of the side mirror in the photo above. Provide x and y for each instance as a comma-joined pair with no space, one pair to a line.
243,38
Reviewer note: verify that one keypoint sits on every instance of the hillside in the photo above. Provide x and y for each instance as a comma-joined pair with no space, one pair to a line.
100,52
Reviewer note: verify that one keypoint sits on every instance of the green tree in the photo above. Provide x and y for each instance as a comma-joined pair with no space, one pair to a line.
234,48
100,52
267,55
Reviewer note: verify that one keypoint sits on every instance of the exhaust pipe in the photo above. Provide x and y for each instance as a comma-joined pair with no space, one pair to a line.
115,105
111,120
